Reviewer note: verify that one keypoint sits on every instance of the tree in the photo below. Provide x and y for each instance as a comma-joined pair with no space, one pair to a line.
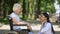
38,11
8,6
24,10
31,8
58,1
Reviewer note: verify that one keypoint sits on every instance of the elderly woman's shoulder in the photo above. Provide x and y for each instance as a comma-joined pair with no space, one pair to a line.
12,15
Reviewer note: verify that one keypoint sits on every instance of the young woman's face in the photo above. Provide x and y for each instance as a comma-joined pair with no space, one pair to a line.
42,17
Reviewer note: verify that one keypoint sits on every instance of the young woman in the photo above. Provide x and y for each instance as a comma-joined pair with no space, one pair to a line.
15,17
46,26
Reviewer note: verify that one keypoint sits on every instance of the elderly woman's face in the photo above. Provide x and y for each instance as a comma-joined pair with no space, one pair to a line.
18,11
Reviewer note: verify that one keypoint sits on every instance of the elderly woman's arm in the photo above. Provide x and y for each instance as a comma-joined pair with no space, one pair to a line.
16,22
21,22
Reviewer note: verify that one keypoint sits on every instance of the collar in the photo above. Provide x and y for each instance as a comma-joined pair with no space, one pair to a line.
45,23
15,14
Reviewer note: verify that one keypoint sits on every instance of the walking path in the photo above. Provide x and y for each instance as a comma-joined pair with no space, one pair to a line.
35,28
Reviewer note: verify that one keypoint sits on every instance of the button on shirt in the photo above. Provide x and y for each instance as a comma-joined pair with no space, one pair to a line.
46,29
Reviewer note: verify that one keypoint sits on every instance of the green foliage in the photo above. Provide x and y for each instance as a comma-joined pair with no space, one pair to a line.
9,5
58,1
4,21
48,5
31,7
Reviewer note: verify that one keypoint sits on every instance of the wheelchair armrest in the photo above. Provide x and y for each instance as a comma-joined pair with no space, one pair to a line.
22,26
19,24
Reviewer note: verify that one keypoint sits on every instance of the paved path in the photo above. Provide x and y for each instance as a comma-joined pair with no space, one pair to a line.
35,28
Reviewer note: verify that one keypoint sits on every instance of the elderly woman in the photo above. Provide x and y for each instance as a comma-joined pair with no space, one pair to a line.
15,17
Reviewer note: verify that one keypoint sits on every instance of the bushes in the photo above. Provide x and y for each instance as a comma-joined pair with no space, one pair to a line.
4,21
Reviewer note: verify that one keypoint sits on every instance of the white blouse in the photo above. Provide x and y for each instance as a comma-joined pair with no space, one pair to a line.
13,15
46,29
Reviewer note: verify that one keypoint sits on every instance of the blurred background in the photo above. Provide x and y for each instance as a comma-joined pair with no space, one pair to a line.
31,9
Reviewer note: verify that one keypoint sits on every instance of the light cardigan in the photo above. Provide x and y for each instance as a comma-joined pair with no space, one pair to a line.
46,29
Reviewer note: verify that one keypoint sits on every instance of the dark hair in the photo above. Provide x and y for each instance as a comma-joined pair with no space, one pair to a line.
47,16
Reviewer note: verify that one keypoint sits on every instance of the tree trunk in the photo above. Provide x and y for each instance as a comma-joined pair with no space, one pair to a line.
24,11
4,11
38,8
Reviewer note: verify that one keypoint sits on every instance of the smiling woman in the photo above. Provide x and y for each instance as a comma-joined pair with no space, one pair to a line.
46,26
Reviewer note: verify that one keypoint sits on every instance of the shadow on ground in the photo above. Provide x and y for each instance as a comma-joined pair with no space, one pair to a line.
35,31
56,32
4,31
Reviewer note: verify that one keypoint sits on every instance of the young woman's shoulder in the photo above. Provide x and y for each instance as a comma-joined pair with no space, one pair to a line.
49,24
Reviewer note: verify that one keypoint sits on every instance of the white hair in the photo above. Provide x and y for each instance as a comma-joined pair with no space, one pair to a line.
16,6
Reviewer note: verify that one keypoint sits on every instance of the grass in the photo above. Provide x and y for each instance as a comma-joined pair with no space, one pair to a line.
4,21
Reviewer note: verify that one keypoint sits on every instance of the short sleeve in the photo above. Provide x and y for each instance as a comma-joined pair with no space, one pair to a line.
13,15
